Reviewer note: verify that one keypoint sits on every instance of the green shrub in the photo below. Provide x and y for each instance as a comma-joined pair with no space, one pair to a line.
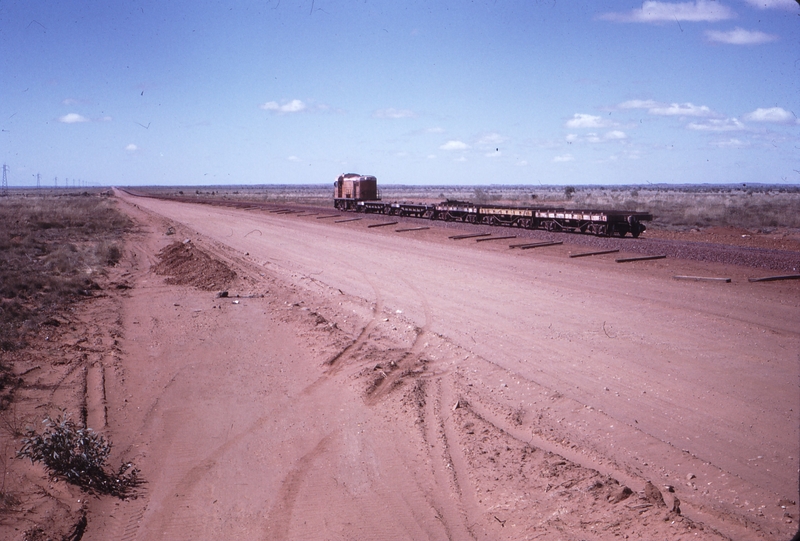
78,456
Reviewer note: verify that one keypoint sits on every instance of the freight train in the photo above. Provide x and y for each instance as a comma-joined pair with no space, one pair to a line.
359,193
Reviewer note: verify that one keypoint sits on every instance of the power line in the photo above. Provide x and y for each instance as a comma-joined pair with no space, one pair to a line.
4,188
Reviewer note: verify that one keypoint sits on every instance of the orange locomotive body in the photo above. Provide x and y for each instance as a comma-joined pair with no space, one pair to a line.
350,188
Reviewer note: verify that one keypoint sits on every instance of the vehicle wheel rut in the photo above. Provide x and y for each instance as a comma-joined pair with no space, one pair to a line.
452,513
279,518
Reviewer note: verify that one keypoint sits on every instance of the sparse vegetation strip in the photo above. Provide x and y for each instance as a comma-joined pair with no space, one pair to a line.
51,250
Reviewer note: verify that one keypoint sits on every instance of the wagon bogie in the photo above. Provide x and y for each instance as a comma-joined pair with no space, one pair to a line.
373,207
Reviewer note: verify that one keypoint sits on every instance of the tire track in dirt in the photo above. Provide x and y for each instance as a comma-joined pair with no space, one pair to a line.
409,364
168,521
460,466
336,363
359,341
485,408
583,452
451,511
172,519
129,519
96,409
279,518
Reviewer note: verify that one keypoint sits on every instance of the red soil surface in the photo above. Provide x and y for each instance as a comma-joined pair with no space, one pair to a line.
359,383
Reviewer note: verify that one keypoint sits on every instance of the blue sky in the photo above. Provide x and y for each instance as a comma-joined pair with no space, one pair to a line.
429,92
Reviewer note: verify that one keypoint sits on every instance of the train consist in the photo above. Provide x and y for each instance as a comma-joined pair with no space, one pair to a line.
353,192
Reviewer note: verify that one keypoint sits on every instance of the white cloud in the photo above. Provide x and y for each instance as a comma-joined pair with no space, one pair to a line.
564,158
394,113
461,159
593,137
671,109
681,109
522,163
491,140
131,148
654,12
587,121
454,145
740,36
638,104
776,115
728,124
730,143
493,154
73,118
769,4
294,106
293,158
431,156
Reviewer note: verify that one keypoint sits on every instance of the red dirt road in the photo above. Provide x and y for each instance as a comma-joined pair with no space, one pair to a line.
369,384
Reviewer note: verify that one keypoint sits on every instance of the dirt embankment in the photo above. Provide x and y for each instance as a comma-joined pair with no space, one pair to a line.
184,264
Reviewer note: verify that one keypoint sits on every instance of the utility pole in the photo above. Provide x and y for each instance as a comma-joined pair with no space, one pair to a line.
38,181
56,182
4,188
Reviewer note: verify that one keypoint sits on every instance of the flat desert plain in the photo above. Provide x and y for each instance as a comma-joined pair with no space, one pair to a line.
360,382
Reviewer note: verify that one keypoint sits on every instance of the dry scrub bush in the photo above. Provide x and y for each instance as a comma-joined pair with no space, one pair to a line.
78,456
703,206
